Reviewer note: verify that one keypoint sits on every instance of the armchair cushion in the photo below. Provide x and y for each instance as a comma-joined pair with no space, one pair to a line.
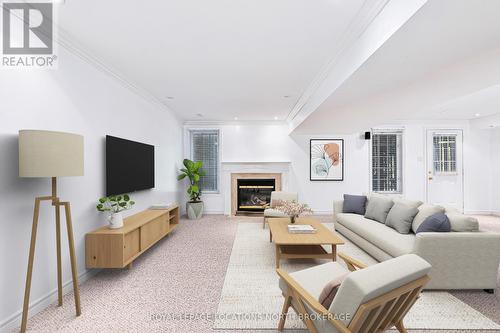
271,212
315,278
277,196
366,284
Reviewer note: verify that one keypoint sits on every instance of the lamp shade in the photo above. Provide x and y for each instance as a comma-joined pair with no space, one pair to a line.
50,154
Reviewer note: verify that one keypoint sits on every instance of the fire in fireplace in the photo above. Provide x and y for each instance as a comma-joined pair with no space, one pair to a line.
254,195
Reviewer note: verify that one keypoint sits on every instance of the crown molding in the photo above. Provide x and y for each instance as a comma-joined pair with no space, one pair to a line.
365,16
205,123
68,43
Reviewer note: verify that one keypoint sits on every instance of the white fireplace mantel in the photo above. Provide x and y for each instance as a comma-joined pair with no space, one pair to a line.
229,167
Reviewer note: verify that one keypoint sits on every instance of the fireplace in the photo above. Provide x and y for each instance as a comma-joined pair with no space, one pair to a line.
254,195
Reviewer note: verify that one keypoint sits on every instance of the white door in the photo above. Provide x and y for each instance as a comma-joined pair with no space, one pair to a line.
445,168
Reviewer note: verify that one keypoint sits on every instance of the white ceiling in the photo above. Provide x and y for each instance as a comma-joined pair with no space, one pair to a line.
219,58
444,63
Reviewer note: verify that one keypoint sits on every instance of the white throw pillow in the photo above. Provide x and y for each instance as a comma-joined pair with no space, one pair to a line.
424,212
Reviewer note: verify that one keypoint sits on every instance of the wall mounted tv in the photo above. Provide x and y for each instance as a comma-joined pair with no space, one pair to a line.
130,166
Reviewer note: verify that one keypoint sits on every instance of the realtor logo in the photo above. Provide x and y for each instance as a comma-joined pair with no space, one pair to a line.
28,34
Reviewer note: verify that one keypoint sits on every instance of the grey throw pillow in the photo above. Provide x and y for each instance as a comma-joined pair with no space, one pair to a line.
435,223
424,212
400,217
354,204
378,208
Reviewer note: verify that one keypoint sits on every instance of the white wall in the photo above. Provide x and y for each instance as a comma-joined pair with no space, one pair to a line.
272,143
495,167
80,99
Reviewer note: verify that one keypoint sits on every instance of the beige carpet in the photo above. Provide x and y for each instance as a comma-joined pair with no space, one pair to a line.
251,298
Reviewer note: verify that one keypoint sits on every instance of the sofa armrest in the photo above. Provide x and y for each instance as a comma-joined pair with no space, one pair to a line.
460,260
338,206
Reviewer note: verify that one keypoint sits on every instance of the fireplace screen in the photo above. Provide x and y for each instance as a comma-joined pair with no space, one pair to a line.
254,195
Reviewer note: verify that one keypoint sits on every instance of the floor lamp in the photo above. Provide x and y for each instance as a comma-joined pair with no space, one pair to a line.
50,154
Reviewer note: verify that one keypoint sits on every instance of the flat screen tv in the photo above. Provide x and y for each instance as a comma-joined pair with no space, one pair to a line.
130,166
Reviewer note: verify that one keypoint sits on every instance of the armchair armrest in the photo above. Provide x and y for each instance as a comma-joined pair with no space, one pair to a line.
352,264
310,300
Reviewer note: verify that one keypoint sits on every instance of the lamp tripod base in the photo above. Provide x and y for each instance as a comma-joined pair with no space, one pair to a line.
71,242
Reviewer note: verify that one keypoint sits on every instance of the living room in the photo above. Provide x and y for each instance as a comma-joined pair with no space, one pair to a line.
366,121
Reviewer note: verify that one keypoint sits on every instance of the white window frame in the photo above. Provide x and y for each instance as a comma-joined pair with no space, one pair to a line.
190,141
400,157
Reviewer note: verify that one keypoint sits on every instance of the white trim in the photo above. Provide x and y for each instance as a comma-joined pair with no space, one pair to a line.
479,212
495,213
364,17
40,304
445,130
70,45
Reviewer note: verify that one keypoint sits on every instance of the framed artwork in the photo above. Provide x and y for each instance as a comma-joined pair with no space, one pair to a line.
326,159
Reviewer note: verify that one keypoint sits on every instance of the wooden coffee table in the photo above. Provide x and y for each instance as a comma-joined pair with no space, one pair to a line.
299,246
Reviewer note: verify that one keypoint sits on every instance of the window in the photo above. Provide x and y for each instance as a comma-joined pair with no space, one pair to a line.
387,161
445,153
205,148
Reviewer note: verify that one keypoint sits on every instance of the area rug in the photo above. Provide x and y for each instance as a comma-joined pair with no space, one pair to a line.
251,298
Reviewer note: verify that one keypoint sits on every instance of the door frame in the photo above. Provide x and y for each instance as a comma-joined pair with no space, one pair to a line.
426,166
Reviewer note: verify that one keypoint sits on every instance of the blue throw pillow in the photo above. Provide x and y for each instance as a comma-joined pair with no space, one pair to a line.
435,223
354,204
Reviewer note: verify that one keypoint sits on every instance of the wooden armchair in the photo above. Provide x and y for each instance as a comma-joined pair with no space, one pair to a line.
371,299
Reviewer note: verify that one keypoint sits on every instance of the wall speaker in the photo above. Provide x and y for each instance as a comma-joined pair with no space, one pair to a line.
368,135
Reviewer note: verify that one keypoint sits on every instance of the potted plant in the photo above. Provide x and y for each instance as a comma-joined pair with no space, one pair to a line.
115,204
192,171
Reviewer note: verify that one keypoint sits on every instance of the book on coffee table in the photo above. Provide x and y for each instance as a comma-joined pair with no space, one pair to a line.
301,229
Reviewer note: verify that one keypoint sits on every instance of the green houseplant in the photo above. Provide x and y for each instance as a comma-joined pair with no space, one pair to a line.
192,171
115,204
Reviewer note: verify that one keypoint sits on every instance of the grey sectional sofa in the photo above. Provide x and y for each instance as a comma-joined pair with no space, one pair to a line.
460,260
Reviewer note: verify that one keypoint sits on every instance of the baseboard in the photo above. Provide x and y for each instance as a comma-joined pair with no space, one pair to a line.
43,302
479,212
495,213
323,212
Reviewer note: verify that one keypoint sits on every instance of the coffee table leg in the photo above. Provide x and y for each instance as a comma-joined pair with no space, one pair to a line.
334,252
277,256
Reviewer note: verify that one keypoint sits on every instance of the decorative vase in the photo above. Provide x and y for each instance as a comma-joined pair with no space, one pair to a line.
115,221
194,210
292,218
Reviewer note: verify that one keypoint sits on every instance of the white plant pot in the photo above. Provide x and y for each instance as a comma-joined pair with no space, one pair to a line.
115,221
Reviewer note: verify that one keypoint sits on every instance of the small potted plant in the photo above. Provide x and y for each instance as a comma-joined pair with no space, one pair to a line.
293,209
115,204
192,171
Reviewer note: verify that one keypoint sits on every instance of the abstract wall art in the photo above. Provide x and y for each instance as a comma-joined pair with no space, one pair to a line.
327,159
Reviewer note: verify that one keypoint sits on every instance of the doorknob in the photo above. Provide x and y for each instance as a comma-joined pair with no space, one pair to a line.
429,175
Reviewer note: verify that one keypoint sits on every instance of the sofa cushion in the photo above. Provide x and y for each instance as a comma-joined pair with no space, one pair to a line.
461,222
354,204
271,212
385,238
411,203
400,217
378,207
424,212
435,223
